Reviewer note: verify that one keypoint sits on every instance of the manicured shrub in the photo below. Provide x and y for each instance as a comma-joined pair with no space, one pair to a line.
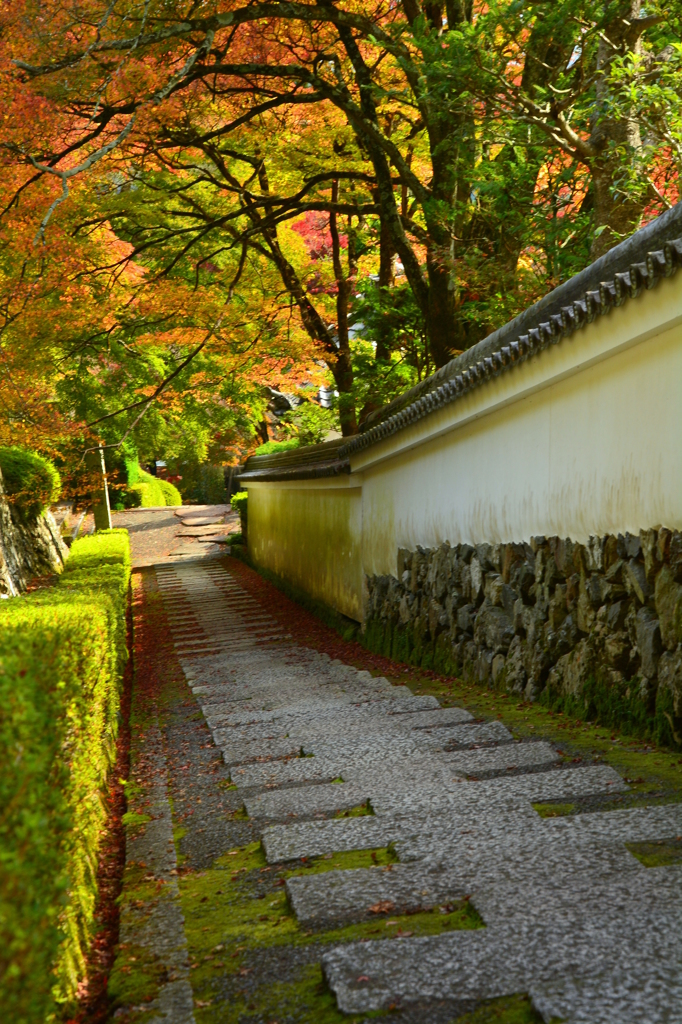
142,489
62,652
239,502
31,481
132,469
170,493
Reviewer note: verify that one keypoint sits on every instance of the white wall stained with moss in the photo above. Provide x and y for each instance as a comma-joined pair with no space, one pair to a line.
311,536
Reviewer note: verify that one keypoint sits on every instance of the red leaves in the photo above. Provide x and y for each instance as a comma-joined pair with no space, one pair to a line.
382,907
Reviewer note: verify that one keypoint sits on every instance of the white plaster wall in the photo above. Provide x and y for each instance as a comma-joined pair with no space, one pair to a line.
584,439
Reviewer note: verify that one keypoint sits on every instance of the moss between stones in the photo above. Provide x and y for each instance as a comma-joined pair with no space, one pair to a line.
554,810
132,818
136,976
231,923
135,980
657,854
361,811
345,861
509,1010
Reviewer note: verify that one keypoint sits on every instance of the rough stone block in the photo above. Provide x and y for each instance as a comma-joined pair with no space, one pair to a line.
494,628
515,668
648,641
670,684
634,578
668,600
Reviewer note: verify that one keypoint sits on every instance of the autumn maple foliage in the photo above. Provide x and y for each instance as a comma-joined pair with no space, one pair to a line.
170,169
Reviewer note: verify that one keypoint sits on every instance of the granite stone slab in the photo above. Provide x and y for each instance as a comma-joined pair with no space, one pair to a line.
434,718
314,839
629,825
317,838
585,928
538,787
248,750
509,756
318,900
464,736
305,801
381,764
630,993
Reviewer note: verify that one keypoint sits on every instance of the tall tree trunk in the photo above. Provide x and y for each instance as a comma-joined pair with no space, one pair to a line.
343,367
386,281
336,352
443,325
615,139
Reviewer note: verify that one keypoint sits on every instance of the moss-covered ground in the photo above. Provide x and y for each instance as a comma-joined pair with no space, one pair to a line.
510,1010
236,928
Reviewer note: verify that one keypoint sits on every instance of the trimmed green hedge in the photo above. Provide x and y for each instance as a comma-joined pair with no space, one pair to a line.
62,654
30,480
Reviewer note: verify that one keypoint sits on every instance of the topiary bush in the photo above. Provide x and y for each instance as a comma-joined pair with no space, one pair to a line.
31,481
170,493
152,492
107,547
149,491
62,652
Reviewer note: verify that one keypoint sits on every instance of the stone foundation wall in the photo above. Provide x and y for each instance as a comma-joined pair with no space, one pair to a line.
592,628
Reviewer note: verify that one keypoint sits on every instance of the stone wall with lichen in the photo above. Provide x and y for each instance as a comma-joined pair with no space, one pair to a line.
594,628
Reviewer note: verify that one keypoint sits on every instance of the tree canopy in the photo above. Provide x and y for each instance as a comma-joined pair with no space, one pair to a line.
204,197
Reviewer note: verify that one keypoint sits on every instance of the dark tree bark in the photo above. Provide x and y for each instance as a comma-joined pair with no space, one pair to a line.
615,213
343,367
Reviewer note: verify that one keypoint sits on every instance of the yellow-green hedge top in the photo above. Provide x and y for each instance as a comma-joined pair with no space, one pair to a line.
107,547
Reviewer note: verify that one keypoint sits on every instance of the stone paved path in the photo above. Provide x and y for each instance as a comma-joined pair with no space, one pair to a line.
188,531
571,916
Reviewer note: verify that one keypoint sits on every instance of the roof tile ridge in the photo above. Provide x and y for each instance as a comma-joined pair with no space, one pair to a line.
626,284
